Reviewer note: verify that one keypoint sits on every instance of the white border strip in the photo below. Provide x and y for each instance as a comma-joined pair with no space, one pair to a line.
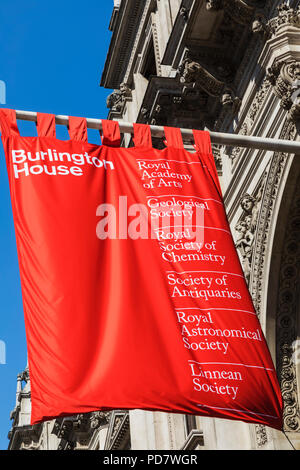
218,272
183,195
216,308
166,160
232,364
198,226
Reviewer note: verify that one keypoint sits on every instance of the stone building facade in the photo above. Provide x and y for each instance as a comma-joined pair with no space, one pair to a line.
230,66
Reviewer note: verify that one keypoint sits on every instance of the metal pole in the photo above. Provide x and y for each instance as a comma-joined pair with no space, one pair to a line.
235,140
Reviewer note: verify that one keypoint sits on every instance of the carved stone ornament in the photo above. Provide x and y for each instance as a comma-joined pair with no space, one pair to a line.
258,100
284,76
246,228
114,101
99,418
264,222
117,99
118,435
260,26
287,16
25,375
261,435
193,75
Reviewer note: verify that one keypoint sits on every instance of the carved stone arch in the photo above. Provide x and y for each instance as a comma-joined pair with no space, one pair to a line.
267,270
290,192
271,200
279,300
283,306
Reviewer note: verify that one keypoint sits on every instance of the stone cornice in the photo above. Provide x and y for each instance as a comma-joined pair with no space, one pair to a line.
282,46
126,24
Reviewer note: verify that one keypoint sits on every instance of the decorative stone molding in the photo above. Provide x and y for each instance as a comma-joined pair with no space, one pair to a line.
246,228
256,284
114,101
118,435
284,77
66,445
261,435
99,418
194,440
258,100
229,100
156,44
26,437
287,310
286,17
24,376
63,428
117,99
260,26
77,431
263,224
192,74
127,26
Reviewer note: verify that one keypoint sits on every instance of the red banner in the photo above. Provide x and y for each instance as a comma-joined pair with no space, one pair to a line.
133,292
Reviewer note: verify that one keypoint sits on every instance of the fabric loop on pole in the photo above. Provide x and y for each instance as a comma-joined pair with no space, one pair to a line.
173,137
203,147
142,135
219,138
8,122
78,128
202,141
110,133
45,125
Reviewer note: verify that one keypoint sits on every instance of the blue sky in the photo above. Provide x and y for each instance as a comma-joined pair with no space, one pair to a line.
52,56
